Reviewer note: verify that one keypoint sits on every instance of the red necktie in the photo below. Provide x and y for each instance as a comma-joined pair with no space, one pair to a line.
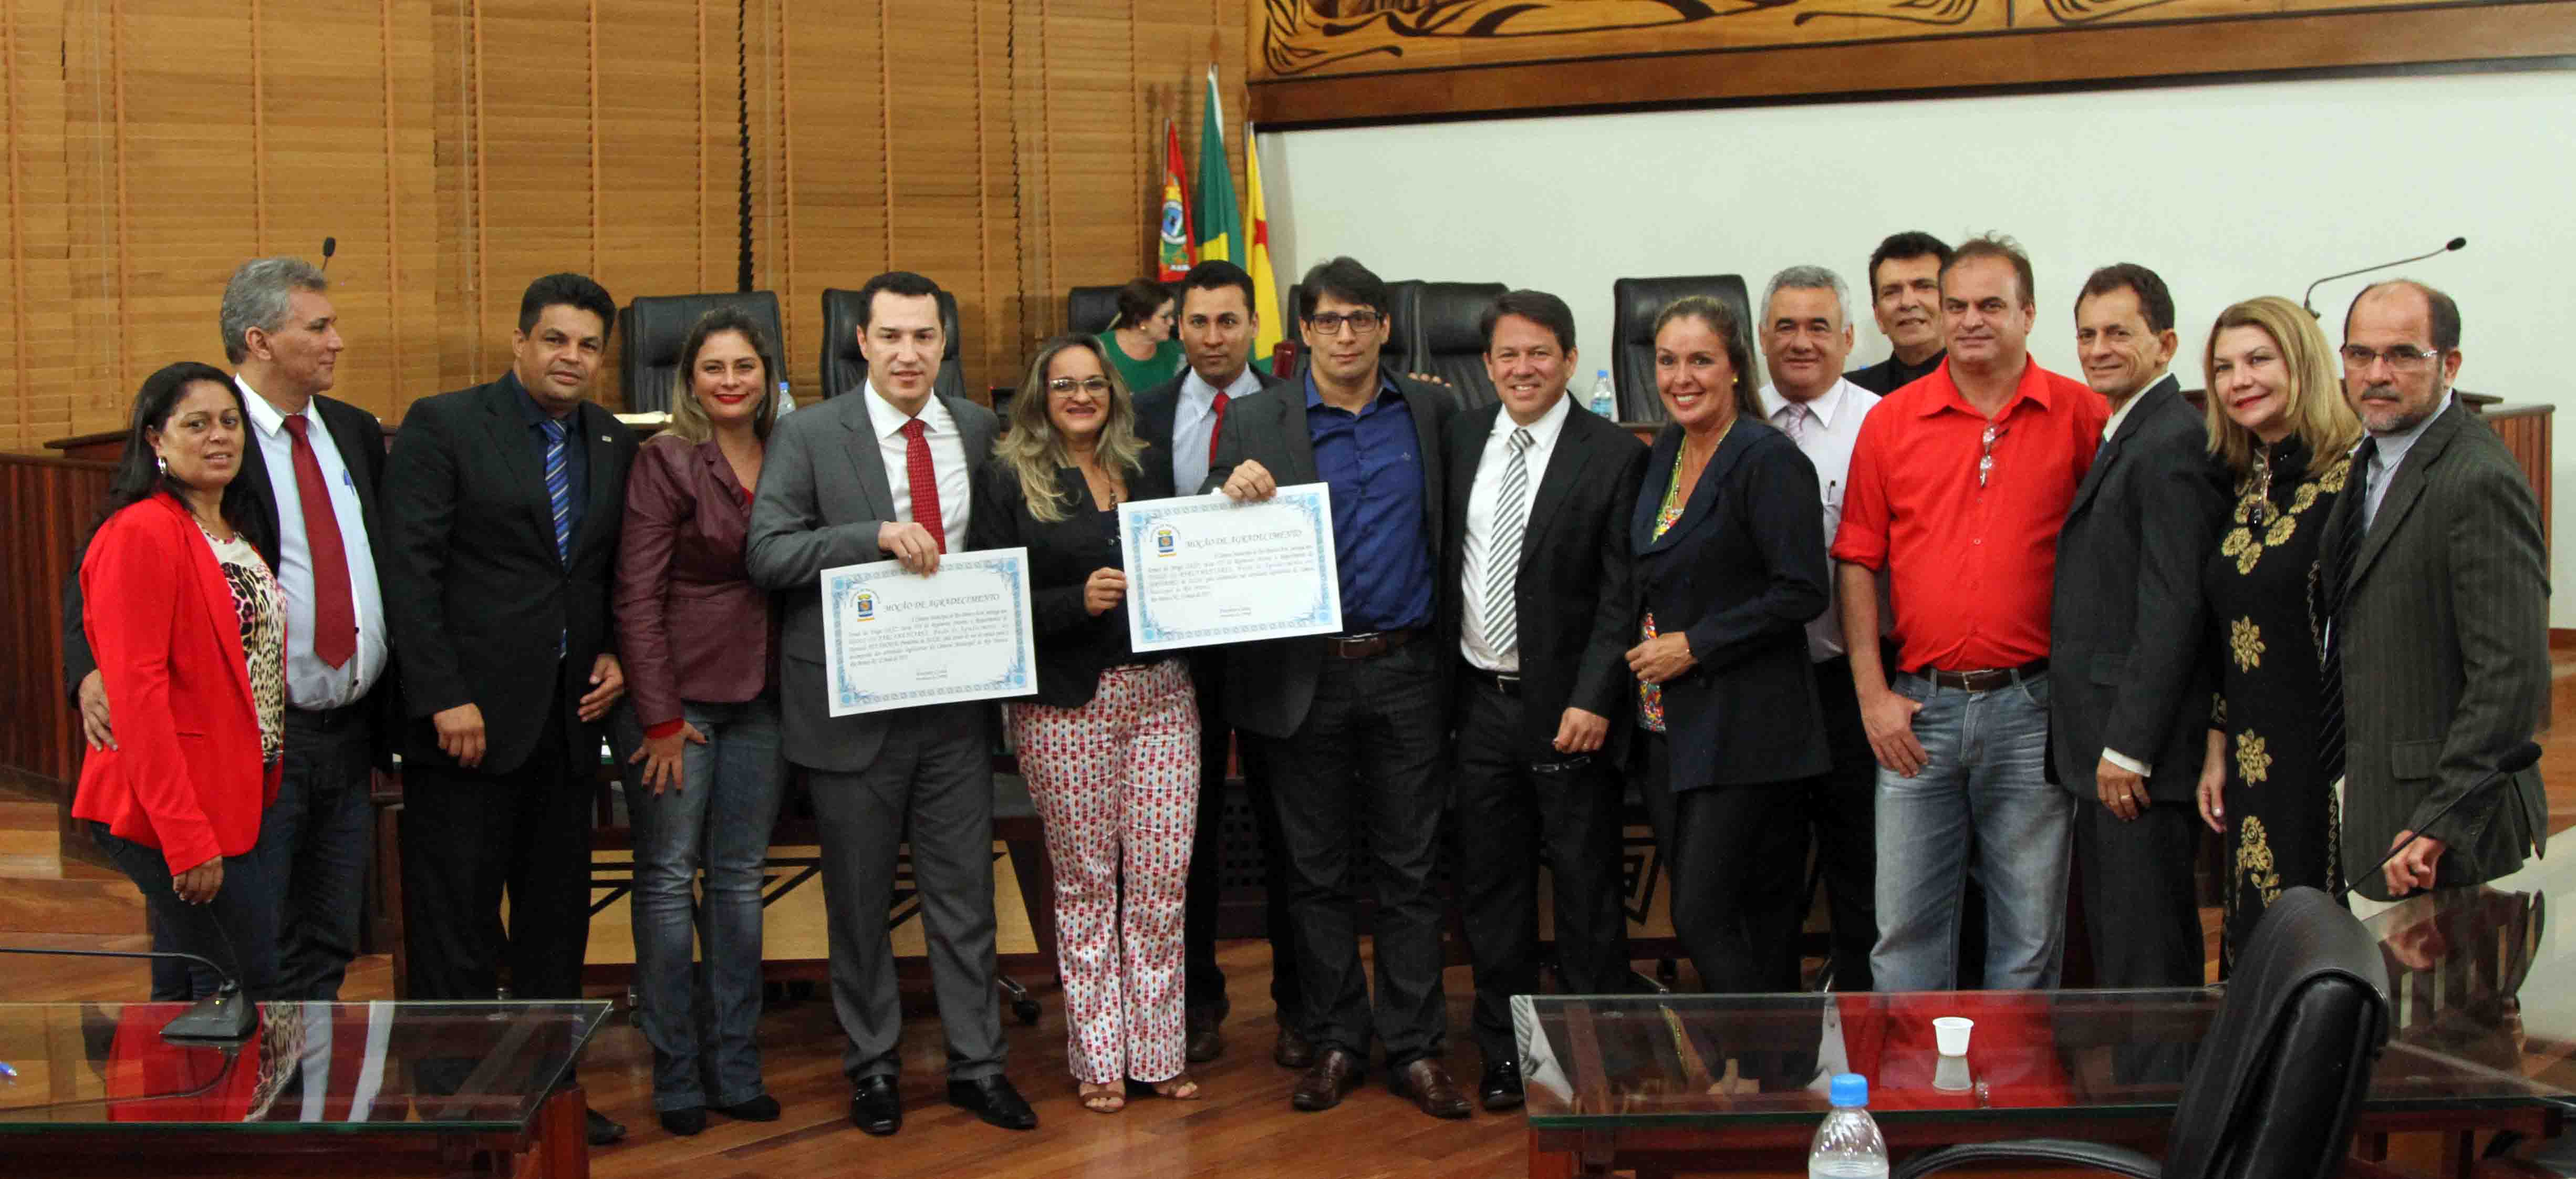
925,483
1216,425
335,614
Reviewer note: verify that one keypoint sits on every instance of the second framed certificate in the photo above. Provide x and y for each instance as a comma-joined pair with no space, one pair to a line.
1203,569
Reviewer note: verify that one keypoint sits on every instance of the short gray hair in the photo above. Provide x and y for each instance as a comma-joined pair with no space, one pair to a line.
1810,278
258,297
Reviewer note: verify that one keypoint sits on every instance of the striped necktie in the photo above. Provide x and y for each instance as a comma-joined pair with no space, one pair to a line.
558,487
1503,556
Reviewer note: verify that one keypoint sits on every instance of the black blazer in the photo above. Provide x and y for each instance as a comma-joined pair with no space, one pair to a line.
360,439
476,595
1074,645
1741,574
1574,592
2125,624
1269,685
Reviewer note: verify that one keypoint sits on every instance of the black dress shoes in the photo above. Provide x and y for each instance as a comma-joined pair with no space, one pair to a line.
1427,1082
1333,1076
763,1108
1292,1050
875,1106
1500,1089
994,1100
1204,1042
685,1122
600,1130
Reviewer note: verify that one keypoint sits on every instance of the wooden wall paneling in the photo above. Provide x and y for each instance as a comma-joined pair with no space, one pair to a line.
666,170
935,189
535,161
834,151
38,383
45,509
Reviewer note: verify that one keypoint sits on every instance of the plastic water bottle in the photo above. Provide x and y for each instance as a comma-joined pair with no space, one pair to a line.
1605,397
1848,1145
786,400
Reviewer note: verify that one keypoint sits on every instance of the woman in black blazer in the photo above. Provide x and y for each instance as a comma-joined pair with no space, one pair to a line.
1730,567
1110,745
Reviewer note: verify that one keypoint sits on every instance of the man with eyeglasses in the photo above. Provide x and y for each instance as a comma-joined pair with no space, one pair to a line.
2437,588
1958,485
1352,724
1183,418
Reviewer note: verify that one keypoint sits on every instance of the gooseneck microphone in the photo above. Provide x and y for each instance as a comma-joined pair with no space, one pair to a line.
331,245
2520,758
2453,244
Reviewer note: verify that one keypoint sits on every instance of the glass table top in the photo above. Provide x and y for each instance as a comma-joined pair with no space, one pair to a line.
372,1067
2484,1017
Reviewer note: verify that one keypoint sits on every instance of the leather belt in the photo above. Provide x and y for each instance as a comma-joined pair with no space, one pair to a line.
1984,679
1368,644
1509,685
330,719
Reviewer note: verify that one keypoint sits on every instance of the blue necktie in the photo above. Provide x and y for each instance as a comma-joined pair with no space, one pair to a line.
558,487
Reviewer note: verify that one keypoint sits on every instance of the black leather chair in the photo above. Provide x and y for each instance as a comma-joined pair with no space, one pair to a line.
1446,342
652,330
1088,311
1634,304
2280,1076
1402,298
844,368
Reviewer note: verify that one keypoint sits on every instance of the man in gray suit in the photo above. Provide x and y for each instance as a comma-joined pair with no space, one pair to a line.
885,473
2126,722
2440,590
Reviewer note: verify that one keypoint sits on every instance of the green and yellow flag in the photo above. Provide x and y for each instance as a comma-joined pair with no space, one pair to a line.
1220,224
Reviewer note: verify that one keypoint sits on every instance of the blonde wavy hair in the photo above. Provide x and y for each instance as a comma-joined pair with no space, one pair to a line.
2316,409
1036,452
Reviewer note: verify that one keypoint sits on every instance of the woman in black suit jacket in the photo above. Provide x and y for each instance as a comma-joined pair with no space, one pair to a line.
1110,746
1730,567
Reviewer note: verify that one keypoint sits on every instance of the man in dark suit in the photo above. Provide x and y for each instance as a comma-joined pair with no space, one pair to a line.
502,507
1182,419
2438,574
1352,724
1905,296
887,473
1534,575
283,339
2126,723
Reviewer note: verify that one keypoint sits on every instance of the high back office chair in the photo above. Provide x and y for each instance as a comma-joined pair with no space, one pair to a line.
652,330
1634,304
845,368
1446,341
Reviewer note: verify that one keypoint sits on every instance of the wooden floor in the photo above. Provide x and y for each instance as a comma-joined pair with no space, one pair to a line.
1243,1128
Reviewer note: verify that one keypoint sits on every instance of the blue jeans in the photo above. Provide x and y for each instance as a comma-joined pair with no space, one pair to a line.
1984,782
703,1019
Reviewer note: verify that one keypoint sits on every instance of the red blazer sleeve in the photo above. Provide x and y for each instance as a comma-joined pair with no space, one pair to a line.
135,583
658,502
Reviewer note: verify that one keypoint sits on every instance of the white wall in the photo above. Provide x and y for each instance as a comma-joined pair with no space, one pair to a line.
2228,191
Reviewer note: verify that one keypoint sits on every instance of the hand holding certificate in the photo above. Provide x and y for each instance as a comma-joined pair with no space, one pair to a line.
894,639
1205,569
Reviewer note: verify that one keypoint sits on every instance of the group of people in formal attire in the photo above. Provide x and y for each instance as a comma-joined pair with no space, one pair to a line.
1966,628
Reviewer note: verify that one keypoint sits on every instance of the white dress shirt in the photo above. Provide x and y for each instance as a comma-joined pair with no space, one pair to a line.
1483,497
2390,454
1826,436
1194,422
310,683
947,461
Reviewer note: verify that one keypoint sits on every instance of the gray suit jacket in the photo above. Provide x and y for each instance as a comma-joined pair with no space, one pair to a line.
823,492
2446,663
1269,685
2125,626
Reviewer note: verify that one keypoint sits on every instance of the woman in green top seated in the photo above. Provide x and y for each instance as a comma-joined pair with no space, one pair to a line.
1139,342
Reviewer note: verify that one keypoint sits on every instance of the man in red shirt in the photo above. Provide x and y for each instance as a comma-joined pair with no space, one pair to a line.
1958,485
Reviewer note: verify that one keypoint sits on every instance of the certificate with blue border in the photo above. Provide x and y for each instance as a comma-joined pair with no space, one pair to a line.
1204,569
896,639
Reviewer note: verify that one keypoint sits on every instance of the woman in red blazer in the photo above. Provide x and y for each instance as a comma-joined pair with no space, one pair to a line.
187,623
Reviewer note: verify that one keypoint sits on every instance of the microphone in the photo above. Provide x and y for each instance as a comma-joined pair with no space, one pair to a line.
2453,244
225,1017
2520,758
331,245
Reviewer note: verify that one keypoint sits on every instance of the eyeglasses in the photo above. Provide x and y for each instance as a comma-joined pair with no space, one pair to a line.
1330,324
1096,386
1986,459
2405,358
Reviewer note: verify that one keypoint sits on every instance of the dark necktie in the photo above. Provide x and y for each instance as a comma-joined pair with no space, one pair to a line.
335,612
2330,726
558,487
1216,424
925,483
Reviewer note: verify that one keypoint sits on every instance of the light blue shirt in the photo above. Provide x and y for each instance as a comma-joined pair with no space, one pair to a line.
1194,422
310,683
2391,453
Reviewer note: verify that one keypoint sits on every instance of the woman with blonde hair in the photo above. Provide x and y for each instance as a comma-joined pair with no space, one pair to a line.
700,651
2278,421
1110,744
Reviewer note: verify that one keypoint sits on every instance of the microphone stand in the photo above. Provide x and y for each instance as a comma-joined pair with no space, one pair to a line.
2453,244
225,1017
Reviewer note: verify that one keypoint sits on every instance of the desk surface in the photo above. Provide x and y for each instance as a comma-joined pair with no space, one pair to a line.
373,1068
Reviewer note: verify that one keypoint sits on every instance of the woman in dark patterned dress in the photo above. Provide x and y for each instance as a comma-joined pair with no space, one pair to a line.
2277,418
